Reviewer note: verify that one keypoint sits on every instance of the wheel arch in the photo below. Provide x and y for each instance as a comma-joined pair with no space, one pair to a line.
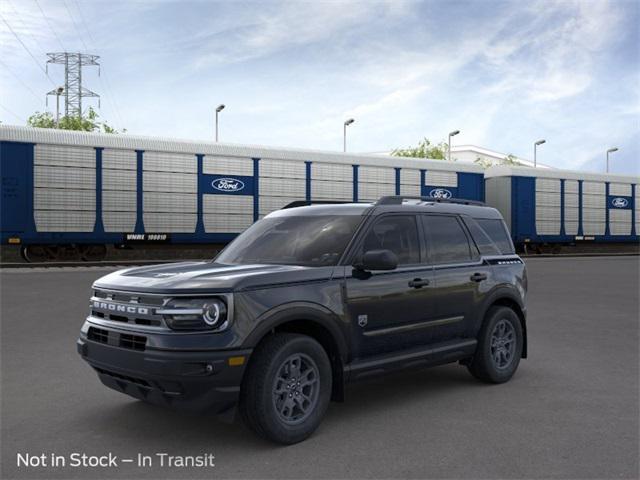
507,298
318,323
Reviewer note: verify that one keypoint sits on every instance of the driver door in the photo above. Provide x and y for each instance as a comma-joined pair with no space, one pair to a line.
388,310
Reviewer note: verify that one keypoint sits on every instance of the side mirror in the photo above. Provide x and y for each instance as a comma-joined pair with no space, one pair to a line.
378,260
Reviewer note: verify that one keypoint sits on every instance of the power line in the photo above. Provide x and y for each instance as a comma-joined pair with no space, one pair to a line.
20,80
10,112
24,25
106,83
46,19
28,51
75,25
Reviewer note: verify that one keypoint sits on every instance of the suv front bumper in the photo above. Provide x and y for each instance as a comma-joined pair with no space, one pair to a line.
201,380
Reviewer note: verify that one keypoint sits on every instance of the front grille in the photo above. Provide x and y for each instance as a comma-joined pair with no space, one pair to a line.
129,308
122,340
98,335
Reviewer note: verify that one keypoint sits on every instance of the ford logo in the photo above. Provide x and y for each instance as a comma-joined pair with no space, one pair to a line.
440,193
228,184
620,202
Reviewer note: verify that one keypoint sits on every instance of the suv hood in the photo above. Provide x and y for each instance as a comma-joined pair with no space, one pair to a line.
194,277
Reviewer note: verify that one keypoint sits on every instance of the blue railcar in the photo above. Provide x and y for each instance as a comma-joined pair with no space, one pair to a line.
548,206
86,190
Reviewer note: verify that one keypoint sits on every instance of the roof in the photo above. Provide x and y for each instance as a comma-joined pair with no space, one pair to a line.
475,211
509,171
133,142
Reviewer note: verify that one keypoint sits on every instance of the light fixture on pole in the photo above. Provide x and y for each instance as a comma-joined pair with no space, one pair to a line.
451,134
344,136
535,152
219,108
611,150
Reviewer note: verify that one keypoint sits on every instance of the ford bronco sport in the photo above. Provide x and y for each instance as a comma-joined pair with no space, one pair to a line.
308,299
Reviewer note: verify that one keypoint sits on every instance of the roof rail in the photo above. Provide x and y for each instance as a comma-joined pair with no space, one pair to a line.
307,203
398,199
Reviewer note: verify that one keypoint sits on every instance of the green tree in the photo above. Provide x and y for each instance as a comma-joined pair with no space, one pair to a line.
510,160
87,123
425,149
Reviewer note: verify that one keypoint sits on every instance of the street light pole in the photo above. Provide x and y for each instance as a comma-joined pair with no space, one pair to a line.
218,110
451,134
535,152
59,91
344,133
611,150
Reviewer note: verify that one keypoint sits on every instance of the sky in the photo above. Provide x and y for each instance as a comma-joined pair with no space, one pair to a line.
290,73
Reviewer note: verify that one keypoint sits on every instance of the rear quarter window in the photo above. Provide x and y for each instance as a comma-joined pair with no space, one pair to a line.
497,231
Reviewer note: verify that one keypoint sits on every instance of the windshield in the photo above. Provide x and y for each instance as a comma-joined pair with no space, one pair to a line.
317,240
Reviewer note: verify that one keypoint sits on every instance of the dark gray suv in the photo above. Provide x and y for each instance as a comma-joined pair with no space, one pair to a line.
308,299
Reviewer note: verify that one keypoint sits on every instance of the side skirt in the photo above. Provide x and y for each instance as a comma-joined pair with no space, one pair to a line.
438,354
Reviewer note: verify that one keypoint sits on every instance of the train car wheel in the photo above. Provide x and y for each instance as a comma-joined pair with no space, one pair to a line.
34,253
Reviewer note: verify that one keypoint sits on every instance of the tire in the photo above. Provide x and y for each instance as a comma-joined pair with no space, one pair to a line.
498,363
271,403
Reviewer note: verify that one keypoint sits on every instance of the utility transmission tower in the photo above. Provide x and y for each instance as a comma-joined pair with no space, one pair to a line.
74,92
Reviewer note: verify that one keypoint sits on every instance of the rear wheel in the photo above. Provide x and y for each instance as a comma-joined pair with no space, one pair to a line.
499,346
287,388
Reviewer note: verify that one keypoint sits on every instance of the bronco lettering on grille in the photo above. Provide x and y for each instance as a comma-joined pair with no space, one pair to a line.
118,307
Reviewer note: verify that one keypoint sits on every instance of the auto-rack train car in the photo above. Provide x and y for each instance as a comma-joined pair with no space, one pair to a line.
558,207
83,191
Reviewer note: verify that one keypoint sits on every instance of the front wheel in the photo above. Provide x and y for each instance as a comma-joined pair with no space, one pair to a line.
499,346
287,388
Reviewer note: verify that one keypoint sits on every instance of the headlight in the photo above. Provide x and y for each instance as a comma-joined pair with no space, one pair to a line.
195,314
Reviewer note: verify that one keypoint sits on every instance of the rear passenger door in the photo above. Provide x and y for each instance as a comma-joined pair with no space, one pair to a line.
460,277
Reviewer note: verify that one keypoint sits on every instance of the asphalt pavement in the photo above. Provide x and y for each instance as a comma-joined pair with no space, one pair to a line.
571,411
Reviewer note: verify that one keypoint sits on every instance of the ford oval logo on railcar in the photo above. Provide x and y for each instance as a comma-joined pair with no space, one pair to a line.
440,193
228,185
620,202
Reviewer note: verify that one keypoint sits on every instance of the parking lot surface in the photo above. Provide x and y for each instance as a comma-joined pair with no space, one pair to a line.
571,411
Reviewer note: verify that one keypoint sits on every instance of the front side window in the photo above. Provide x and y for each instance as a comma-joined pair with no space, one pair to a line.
398,234
315,240
446,240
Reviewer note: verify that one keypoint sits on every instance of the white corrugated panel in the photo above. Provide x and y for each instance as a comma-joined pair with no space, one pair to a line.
548,199
283,187
571,186
226,223
64,199
331,171
169,182
169,202
548,213
169,162
593,228
331,190
227,166
412,190
269,204
594,214
169,222
368,192
119,159
64,220
376,175
571,214
65,156
409,176
119,221
594,188
547,227
119,180
594,201
619,222
224,204
571,228
64,177
620,189
282,169
637,205
116,201
547,185
441,179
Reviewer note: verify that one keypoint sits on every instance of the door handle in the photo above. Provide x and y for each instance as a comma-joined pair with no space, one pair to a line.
478,277
418,283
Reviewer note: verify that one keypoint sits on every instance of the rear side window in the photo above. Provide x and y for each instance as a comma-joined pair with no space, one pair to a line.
398,234
446,240
485,244
497,232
